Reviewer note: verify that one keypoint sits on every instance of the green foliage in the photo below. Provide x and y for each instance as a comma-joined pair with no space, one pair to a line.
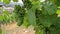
0,0
58,2
27,4
42,15
0,31
58,11
15,0
48,8
19,14
26,24
12,17
6,1
5,17
31,17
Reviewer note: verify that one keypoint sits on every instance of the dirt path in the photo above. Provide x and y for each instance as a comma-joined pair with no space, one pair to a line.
14,29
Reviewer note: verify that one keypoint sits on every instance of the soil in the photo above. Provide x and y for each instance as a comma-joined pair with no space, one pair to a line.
14,29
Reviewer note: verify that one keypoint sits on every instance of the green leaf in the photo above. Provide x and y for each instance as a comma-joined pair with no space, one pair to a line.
31,17
58,2
31,13
15,0
0,31
19,14
6,1
45,21
26,24
1,17
0,0
57,31
39,31
49,8
54,1
58,11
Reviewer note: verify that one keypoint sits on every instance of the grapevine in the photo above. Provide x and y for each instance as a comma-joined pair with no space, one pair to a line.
42,15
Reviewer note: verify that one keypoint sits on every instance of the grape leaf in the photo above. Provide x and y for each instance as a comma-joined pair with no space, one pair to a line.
49,8
26,24
31,13
57,31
